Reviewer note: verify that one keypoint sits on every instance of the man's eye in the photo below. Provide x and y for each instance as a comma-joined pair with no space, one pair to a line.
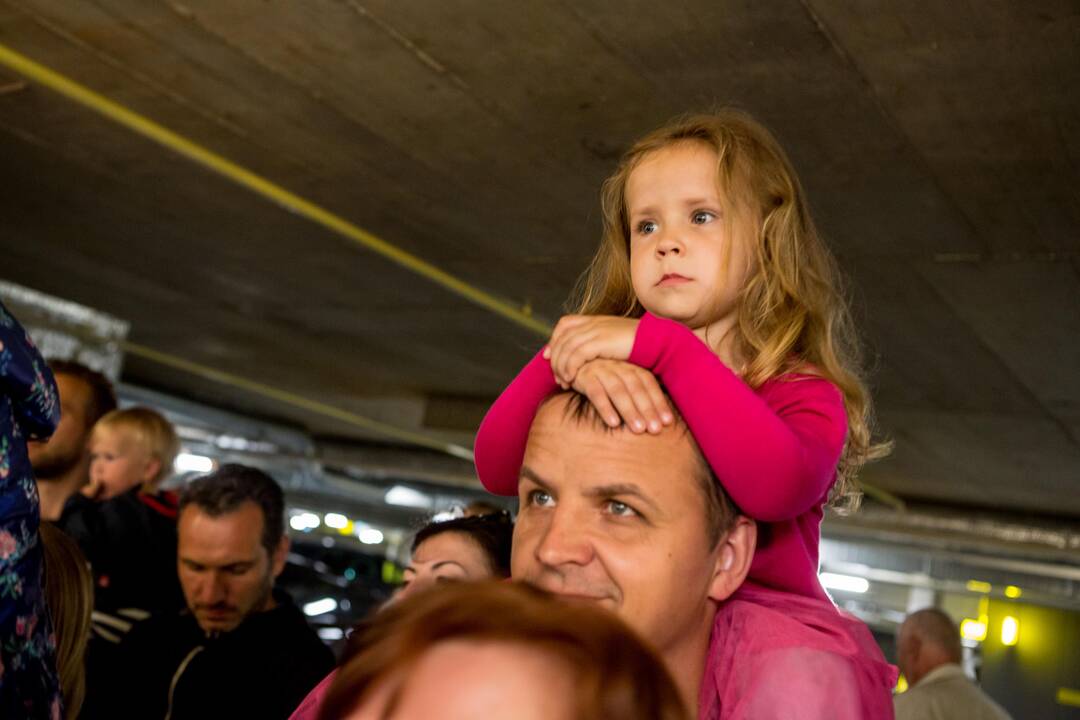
701,217
540,498
447,579
621,509
646,227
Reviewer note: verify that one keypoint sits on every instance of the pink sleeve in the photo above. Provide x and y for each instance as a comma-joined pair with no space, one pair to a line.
775,453
500,441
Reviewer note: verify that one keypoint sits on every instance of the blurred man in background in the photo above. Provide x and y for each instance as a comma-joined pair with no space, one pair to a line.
929,653
62,465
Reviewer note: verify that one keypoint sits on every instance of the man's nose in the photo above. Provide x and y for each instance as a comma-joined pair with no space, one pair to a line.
565,540
212,589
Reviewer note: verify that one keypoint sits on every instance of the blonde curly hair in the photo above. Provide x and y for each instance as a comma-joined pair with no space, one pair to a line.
793,313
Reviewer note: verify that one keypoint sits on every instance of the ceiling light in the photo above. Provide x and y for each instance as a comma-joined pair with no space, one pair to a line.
407,497
335,520
846,583
1010,631
188,462
370,536
320,607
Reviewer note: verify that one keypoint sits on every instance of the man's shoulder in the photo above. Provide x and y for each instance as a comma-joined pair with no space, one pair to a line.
284,631
946,695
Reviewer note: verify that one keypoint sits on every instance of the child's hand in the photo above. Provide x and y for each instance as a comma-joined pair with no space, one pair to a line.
622,392
577,339
95,490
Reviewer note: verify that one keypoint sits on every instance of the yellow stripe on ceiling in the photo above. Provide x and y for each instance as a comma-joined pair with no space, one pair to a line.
521,315
298,401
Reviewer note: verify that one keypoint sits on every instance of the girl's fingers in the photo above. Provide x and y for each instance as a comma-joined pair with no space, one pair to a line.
624,403
598,396
656,395
638,385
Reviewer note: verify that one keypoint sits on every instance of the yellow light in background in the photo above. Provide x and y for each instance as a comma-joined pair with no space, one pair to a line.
1068,696
978,586
347,529
1010,630
1011,591
973,630
901,684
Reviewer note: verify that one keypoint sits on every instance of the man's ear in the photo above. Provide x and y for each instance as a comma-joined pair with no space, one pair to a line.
733,558
281,553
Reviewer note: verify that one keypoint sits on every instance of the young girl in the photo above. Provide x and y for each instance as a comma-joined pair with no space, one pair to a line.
712,278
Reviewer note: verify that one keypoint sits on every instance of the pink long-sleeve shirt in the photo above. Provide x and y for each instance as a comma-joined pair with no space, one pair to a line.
774,449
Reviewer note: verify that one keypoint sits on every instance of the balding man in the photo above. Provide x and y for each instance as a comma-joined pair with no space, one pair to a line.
928,653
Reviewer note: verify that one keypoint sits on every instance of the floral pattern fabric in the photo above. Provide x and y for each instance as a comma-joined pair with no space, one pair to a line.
29,409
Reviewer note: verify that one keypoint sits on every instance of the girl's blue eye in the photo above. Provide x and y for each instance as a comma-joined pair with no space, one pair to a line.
645,227
701,217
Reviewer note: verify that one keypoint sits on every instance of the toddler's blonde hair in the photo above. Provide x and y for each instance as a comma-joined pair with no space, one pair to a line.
150,429
793,314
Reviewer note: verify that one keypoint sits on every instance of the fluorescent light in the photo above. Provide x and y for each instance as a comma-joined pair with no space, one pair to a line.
188,462
331,633
973,629
847,583
335,520
304,521
320,607
407,497
370,536
1010,630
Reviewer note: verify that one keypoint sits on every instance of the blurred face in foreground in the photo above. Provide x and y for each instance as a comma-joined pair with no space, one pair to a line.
466,679
617,519
224,569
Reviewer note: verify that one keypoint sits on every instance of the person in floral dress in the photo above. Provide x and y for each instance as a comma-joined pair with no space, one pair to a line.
29,409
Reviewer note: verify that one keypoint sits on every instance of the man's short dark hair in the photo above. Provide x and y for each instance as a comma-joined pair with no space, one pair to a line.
230,486
102,395
720,510
493,532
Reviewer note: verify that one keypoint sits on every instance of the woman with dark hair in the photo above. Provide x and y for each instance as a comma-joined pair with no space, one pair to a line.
469,548
500,650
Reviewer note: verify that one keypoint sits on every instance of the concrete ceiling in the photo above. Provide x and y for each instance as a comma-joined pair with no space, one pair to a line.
939,142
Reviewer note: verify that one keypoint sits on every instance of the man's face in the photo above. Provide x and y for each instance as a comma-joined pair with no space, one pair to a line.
67,446
225,571
618,519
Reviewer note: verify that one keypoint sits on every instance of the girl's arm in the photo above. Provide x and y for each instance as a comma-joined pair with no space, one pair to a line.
500,441
775,453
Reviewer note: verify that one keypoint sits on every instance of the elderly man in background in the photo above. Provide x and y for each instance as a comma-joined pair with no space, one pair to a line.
240,649
62,465
929,653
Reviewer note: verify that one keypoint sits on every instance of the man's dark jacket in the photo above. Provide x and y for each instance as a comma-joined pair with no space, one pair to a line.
262,669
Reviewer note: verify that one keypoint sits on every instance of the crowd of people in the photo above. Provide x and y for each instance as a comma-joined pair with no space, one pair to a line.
673,449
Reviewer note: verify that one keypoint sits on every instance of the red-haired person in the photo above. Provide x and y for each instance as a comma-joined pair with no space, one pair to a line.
499,650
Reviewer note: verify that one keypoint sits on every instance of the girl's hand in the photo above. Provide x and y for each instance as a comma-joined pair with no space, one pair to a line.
577,339
622,392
